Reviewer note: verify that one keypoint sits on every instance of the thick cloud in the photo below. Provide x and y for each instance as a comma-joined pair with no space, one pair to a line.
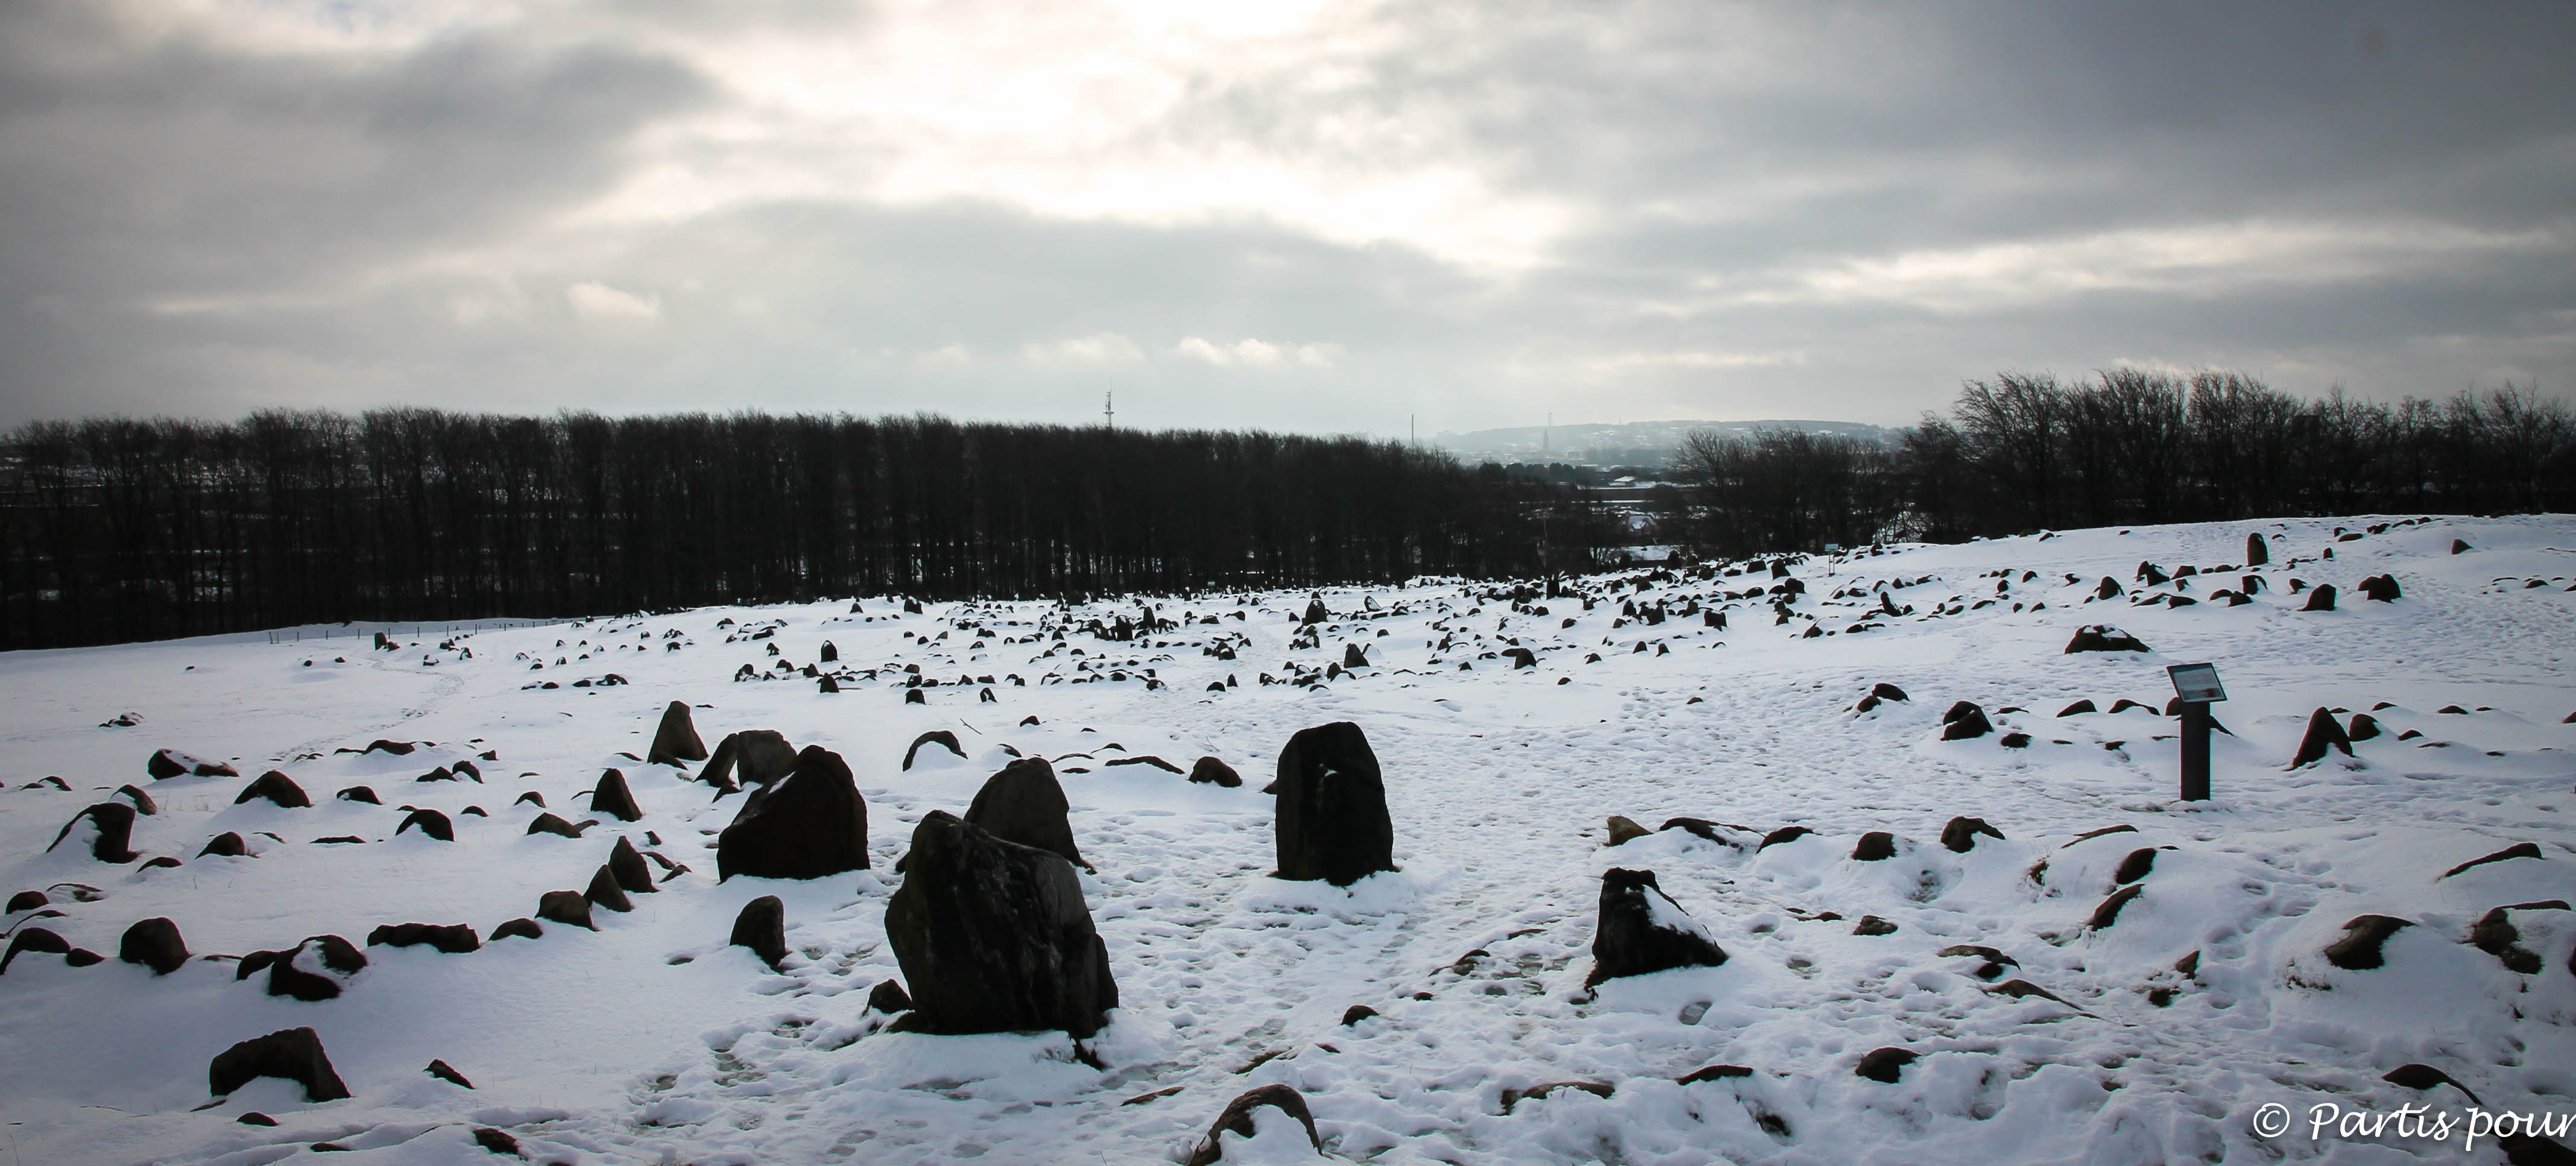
1327,216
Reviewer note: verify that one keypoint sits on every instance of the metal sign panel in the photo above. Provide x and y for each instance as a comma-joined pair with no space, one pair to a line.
2196,683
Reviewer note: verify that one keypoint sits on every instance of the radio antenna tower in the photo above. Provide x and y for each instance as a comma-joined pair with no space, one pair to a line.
1109,410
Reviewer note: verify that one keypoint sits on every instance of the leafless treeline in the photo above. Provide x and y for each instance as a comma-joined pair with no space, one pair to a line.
2028,451
118,529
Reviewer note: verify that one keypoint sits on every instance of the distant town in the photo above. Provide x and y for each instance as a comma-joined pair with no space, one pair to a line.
1600,455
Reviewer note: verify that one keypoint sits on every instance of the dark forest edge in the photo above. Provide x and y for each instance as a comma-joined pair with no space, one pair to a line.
119,529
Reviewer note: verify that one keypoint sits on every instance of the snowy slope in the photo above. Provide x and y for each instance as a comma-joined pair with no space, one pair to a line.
652,1041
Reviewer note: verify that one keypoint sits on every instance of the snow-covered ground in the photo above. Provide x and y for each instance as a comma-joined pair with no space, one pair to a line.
651,1040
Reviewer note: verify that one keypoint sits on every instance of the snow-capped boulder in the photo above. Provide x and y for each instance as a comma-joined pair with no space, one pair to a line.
1965,721
806,825
1023,803
1642,931
676,740
169,763
1332,821
993,936
317,969
750,757
2103,637
294,1054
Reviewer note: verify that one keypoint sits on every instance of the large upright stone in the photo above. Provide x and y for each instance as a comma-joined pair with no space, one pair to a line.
612,797
114,826
677,740
1024,804
2257,552
1642,931
155,944
2324,733
806,825
993,936
762,927
294,1054
1332,822
750,757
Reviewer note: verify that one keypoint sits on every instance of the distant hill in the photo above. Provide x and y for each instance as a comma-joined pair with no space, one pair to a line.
1634,443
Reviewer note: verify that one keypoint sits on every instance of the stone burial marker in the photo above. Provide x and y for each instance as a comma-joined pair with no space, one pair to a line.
993,936
806,825
1332,822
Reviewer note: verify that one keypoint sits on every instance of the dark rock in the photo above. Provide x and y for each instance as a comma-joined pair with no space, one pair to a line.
807,825
154,943
1147,759
888,997
164,862
114,822
431,822
627,864
1354,657
2257,552
2081,706
2495,934
1511,1098
1714,1073
2517,850
1960,834
1873,925
531,796
2459,546
993,936
604,892
497,1141
2364,727
143,803
2089,835
827,684
550,824
2321,599
751,757
360,793
523,928
2103,638
255,1118
1885,691
169,763
1875,846
1624,830
1521,657
2014,740
1315,612
451,938
1211,771
2323,733
1964,721
940,737
611,797
2137,865
33,939
294,1054
1237,1119
828,655
397,748
1023,803
1356,1013
1884,1066
2363,935
762,927
566,907
1629,942
27,901
336,839
1781,835
913,696
276,787
334,961
447,1072
1332,822
2382,588
676,740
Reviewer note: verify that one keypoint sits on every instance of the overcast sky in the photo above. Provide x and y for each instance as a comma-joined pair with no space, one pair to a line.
1319,216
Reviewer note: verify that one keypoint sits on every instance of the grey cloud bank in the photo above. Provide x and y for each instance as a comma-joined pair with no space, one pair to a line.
1317,217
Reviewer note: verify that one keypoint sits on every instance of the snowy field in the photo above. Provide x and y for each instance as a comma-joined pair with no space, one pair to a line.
2151,1038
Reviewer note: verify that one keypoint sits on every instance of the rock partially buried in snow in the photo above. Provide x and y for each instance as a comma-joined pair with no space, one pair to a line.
1332,821
807,825
1884,1066
1624,830
1212,771
277,788
993,936
2321,599
2324,733
1965,721
1241,1119
2363,938
169,763
315,970
940,737
520,928
431,823
2103,638
626,865
1641,931
294,1054
676,740
566,907
1960,834
750,757
112,824
155,944
225,845
1023,803
611,797
143,803
888,997
450,939
762,927
1875,846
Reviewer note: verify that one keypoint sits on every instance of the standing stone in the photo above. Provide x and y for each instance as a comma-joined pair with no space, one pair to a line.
751,757
807,825
2382,588
1642,931
1332,822
114,822
294,1054
611,797
1024,804
154,943
1875,846
993,936
2323,734
565,907
2257,552
277,788
1353,656
1315,612
626,864
829,654
1212,771
677,740
604,892
143,803
2321,599
762,927
226,845
431,822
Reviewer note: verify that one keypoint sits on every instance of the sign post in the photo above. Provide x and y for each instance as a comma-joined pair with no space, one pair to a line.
2197,687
